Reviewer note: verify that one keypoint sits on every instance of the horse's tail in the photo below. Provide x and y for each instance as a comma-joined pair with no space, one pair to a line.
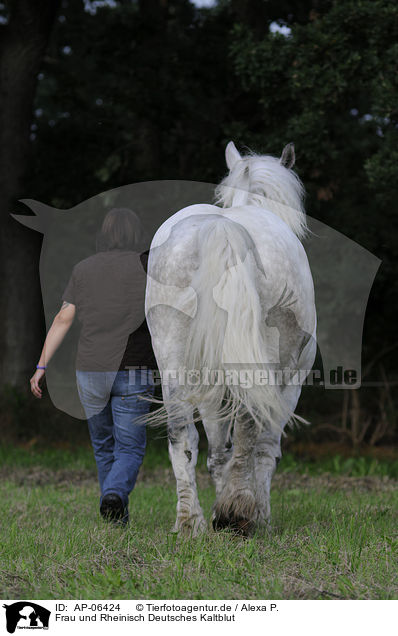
226,347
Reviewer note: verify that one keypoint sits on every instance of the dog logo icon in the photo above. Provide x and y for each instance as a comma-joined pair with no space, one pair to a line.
26,615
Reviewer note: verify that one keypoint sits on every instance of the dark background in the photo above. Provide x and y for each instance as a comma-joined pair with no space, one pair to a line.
93,97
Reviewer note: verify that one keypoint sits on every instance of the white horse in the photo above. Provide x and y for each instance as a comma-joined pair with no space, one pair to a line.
229,302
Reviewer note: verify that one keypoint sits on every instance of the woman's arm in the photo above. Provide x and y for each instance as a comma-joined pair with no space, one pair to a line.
57,332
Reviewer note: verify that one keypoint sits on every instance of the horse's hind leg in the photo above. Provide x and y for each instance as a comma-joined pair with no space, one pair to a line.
236,506
266,455
183,450
219,446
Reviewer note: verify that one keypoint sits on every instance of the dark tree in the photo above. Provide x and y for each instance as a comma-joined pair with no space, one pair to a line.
23,40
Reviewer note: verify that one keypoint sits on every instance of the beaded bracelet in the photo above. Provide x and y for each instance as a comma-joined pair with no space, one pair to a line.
38,367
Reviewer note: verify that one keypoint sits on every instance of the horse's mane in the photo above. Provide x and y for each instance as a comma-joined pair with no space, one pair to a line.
262,181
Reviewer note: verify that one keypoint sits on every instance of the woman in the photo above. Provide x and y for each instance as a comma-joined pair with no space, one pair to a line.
114,357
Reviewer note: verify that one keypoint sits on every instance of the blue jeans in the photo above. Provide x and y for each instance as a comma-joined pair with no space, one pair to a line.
111,403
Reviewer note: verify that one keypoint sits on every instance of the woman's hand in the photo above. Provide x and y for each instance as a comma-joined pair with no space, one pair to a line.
35,382
55,336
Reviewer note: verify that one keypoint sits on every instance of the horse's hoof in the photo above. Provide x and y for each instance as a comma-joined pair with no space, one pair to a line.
191,527
240,526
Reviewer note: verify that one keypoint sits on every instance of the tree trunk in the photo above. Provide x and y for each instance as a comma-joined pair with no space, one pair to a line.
23,41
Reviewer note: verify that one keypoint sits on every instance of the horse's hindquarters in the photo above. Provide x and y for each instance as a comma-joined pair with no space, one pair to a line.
221,289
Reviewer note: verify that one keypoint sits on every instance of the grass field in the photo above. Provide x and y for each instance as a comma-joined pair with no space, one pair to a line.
333,534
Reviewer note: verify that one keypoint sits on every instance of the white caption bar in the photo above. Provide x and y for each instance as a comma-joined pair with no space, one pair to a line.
306,618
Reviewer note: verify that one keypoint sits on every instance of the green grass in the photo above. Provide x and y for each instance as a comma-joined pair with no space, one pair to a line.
156,455
338,465
332,535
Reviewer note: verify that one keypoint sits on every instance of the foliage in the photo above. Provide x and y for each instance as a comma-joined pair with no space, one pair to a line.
331,86
154,90
128,95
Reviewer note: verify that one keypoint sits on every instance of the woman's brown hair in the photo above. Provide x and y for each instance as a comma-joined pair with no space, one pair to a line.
121,229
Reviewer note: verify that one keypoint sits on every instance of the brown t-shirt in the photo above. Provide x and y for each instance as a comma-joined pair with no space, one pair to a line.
108,290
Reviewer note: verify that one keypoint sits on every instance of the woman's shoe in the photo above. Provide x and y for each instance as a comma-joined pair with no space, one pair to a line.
112,509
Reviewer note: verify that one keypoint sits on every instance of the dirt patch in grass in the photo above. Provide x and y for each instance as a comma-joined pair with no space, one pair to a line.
38,476
326,481
287,481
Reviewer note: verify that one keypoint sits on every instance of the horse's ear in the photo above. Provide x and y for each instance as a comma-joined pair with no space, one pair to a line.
232,155
288,156
43,215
